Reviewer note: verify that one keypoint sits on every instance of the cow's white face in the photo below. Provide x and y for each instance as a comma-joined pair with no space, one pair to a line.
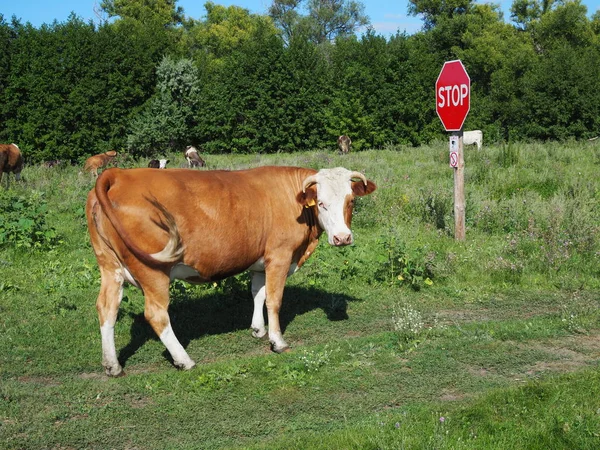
163,163
335,202
333,193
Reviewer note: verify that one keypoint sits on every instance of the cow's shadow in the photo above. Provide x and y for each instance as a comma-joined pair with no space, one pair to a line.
220,313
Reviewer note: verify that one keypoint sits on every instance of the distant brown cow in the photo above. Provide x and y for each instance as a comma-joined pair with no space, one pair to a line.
11,160
344,144
93,163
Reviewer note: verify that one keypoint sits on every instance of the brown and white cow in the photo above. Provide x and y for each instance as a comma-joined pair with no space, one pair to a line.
344,144
145,231
11,160
193,159
93,163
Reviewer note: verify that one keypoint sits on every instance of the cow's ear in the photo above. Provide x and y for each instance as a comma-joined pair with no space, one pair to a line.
359,188
308,198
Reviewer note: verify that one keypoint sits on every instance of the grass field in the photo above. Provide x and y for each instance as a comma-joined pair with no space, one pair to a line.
407,339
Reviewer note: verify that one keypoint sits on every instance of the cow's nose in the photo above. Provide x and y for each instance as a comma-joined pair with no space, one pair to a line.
342,239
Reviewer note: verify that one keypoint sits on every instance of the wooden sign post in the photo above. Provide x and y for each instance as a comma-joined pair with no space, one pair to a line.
457,162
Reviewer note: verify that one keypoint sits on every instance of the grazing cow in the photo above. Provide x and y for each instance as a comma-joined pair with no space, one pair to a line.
193,159
266,220
93,163
158,163
344,144
473,137
11,160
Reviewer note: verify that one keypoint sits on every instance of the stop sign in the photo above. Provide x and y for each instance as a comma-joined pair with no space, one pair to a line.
453,95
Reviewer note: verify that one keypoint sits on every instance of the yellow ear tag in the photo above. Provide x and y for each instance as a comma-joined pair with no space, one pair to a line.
311,202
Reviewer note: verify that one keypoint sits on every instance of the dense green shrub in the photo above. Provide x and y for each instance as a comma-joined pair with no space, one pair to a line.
23,221
167,119
400,263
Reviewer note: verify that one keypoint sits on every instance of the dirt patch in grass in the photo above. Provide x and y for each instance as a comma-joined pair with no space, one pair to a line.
139,402
518,306
452,396
43,381
97,376
451,317
588,344
480,371
572,353
554,356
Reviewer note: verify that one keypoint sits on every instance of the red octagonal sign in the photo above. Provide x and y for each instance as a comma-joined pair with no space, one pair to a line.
453,95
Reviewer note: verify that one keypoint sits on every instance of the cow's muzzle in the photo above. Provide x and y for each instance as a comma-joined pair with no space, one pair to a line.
342,239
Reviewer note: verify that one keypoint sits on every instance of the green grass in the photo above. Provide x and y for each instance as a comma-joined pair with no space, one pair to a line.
556,413
497,335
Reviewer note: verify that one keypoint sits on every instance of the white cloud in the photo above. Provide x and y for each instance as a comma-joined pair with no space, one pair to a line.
389,28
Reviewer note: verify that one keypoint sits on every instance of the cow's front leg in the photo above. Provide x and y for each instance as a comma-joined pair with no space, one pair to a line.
258,294
276,274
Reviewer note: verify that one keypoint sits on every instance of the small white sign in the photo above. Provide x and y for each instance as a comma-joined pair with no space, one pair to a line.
453,151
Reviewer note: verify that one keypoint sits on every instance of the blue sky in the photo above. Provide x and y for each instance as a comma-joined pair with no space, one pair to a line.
387,16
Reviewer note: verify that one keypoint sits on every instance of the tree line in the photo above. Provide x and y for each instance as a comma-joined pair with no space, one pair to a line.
148,79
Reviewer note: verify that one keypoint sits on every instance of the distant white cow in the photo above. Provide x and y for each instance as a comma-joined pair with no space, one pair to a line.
473,137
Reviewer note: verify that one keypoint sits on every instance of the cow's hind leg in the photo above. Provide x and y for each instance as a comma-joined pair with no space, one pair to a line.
109,299
259,295
156,294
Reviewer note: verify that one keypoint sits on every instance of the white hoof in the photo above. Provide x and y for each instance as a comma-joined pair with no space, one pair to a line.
280,348
114,371
186,365
259,332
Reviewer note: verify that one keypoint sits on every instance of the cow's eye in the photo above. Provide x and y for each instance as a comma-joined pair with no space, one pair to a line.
322,206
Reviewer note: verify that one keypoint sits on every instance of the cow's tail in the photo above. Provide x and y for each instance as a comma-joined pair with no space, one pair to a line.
173,250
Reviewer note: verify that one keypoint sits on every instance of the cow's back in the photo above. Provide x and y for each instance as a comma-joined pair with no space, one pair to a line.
226,219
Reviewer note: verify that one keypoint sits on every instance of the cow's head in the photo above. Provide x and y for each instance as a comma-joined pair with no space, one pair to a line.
332,192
